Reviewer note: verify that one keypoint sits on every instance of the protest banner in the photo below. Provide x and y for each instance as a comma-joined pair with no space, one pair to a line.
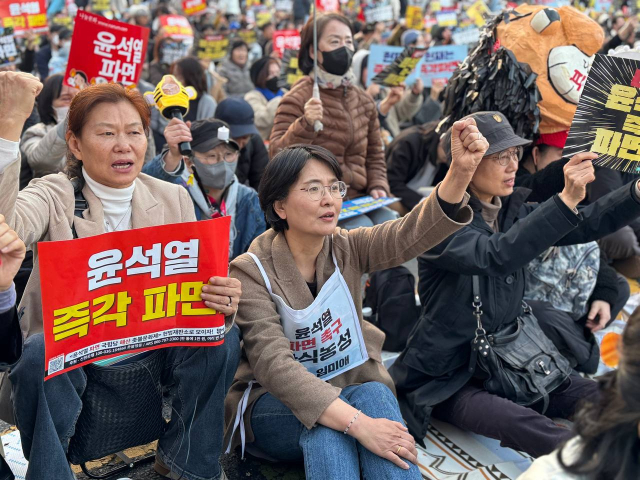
176,26
289,71
414,17
193,7
100,6
284,5
328,6
477,12
359,206
378,11
441,62
401,67
105,51
130,291
380,56
466,36
213,47
63,20
8,50
250,37
286,40
23,15
607,119
447,19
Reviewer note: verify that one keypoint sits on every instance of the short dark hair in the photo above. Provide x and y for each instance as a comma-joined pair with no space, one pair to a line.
305,62
283,171
50,91
192,73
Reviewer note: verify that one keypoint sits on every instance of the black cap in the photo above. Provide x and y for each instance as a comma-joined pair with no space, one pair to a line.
205,135
495,127
239,115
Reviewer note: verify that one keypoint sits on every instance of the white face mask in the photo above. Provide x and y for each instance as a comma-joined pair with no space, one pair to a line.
61,113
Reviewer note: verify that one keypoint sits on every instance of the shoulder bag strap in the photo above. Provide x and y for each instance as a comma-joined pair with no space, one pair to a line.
480,331
80,206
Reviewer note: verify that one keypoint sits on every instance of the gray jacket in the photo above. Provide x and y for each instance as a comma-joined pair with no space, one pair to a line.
45,148
239,82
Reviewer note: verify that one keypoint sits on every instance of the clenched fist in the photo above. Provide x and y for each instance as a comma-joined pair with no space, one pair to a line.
18,92
468,146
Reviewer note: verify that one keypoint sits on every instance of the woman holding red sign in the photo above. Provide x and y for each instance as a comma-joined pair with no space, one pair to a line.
106,140
311,384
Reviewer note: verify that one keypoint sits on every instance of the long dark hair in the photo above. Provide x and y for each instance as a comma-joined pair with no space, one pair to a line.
50,91
192,73
608,429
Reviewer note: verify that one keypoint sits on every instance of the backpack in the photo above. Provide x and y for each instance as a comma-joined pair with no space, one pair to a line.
564,277
391,296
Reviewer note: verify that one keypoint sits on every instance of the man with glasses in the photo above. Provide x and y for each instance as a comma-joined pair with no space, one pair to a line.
209,175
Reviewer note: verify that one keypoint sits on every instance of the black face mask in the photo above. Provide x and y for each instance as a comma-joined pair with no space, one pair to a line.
272,84
338,61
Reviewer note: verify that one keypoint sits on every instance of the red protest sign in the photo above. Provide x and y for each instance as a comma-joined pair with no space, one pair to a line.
286,40
105,51
193,7
176,26
328,5
23,15
130,291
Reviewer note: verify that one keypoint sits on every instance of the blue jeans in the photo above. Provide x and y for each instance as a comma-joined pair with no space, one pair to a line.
375,217
328,453
198,377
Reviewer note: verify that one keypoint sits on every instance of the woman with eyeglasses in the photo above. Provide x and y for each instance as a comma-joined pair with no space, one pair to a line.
209,175
311,384
436,374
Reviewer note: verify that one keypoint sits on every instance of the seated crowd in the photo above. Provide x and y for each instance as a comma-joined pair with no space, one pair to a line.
478,206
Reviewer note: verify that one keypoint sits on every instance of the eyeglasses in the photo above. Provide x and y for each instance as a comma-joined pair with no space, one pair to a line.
316,190
506,156
227,156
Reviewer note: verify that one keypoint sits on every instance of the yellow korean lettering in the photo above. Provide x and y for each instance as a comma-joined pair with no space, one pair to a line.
190,292
63,324
607,142
621,98
107,302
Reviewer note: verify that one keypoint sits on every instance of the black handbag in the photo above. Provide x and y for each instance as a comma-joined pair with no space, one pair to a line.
121,408
519,362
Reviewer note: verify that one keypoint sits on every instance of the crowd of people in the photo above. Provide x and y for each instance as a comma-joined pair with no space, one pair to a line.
479,203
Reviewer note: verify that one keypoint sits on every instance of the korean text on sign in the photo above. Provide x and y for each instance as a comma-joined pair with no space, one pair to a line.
105,51
286,40
24,15
213,47
131,291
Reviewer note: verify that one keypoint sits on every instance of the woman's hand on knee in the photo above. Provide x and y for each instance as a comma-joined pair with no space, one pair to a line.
387,439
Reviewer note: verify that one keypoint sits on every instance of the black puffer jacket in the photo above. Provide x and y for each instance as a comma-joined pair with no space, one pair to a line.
433,366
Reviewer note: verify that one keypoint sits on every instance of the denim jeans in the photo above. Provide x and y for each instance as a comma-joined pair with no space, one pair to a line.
375,217
198,379
328,453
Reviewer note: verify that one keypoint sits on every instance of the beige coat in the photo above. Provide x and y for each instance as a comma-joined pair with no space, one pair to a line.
43,211
264,112
266,355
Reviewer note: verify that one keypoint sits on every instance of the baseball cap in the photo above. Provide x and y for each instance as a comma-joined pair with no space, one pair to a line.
495,127
208,133
238,114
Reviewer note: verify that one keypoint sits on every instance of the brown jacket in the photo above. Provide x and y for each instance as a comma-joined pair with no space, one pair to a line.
43,211
351,132
266,355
